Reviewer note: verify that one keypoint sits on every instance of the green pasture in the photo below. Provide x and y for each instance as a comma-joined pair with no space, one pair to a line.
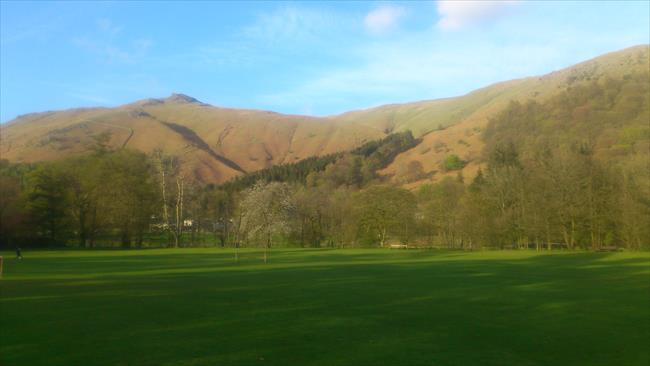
324,307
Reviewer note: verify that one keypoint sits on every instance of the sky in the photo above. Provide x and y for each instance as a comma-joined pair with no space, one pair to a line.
313,58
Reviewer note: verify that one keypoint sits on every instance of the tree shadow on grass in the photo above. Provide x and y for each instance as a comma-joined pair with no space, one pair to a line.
353,308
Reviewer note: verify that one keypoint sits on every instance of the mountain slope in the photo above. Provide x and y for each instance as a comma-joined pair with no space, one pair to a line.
216,144
468,116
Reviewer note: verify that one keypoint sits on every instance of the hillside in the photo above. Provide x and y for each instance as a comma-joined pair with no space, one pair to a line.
463,120
217,144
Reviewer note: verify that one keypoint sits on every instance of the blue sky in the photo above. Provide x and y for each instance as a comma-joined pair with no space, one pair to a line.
315,58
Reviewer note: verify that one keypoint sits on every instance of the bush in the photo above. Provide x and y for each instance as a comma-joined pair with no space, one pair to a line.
453,162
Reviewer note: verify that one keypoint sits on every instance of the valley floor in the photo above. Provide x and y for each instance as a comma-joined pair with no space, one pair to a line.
324,307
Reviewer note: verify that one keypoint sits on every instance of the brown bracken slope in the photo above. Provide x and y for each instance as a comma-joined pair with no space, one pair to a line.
216,144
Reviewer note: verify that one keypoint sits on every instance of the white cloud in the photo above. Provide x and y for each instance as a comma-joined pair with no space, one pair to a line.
107,26
383,19
111,53
422,67
275,35
455,15
113,49
292,23
41,31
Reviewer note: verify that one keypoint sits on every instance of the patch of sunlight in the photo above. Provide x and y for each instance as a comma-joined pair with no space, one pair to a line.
590,266
120,294
534,286
480,274
410,300
643,272
555,306
28,298
84,283
643,257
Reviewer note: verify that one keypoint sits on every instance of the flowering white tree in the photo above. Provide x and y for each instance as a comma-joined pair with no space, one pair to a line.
265,211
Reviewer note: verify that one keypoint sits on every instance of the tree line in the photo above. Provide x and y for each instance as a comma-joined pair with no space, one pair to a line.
570,172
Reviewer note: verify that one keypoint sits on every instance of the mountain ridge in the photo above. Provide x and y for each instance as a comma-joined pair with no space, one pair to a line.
218,143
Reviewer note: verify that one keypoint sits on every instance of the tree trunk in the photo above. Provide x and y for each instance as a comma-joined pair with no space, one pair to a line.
179,212
125,238
139,239
82,228
226,232
548,235
267,246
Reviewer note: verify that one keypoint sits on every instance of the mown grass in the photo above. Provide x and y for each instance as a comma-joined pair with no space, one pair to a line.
324,307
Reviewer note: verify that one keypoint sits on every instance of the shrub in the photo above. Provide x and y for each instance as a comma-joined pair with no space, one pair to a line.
453,162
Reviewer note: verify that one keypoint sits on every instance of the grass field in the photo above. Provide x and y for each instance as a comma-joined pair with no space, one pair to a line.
324,307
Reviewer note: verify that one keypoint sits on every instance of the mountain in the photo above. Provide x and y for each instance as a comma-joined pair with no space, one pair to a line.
456,125
216,144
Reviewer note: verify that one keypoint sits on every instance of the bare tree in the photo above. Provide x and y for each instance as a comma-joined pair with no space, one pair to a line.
178,227
170,167
265,212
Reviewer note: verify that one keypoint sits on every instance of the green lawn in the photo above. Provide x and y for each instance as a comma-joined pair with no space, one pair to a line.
324,307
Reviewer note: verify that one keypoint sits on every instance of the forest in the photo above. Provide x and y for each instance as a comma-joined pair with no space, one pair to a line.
570,172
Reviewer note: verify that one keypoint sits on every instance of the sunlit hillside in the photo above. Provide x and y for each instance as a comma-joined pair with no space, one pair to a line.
217,144
467,116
